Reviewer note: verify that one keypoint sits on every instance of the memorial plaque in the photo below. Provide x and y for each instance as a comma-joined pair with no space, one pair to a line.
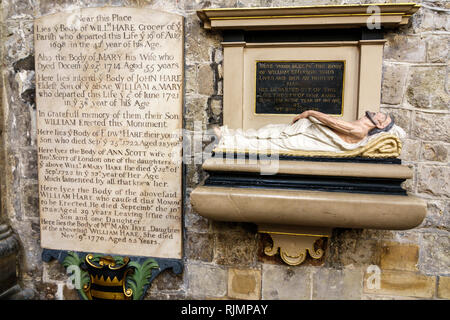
109,118
291,87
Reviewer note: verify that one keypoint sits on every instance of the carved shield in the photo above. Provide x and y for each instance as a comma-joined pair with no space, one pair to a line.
107,279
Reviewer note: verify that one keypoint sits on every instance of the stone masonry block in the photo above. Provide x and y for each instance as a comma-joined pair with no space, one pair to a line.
402,283
394,78
168,281
410,150
434,258
398,256
199,246
431,127
352,252
437,49
235,248
206,280
444,288
435,152
426,88
401,47
286,283
205,80
438,215
244,284
434,180
337,284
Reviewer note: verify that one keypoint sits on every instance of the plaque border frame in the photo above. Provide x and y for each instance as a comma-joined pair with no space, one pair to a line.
286,114
181,108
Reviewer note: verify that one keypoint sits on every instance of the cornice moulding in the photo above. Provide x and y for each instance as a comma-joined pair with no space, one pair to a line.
305,17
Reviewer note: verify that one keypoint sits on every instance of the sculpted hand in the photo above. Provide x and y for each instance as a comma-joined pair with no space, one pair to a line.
303,115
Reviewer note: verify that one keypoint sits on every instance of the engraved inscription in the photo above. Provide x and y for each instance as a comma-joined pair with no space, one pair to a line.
109,115
296,86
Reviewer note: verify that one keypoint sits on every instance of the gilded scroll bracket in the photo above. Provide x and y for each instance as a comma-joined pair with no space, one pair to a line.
294,245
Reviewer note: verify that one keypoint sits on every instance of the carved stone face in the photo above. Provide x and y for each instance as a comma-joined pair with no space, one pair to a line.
379,119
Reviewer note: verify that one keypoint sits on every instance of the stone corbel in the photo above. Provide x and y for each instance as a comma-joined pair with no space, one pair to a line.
294,244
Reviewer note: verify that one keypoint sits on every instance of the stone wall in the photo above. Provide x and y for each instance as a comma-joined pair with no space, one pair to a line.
226,260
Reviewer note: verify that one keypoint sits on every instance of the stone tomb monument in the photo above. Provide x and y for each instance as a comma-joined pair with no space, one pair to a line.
281,62
109,86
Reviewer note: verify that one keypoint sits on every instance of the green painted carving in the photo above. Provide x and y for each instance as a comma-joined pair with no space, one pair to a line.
72,259
140,278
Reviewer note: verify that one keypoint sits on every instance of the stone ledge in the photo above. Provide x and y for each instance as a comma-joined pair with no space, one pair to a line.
315,168
309,208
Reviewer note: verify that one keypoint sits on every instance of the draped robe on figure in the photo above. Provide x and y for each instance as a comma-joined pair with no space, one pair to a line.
308,134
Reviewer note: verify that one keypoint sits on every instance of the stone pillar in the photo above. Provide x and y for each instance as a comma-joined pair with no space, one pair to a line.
9,250
8,260
9,244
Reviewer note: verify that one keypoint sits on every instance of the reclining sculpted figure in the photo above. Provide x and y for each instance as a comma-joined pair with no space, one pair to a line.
311,131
